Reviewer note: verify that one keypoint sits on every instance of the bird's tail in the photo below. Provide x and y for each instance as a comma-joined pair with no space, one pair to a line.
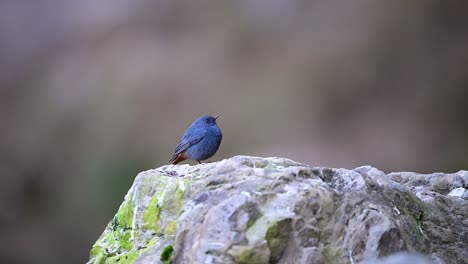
177,158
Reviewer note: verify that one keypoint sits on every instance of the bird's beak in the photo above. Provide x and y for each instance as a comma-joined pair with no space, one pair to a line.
216,117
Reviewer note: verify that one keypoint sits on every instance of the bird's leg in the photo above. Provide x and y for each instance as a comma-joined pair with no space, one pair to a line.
199,162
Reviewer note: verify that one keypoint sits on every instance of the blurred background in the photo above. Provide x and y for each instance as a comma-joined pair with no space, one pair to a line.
93,92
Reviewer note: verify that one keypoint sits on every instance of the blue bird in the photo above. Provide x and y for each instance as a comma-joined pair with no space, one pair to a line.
200,141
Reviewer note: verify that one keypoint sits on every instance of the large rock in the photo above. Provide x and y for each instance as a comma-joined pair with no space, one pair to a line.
274,210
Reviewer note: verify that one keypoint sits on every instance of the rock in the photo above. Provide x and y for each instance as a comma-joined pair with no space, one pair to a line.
402,257
274,210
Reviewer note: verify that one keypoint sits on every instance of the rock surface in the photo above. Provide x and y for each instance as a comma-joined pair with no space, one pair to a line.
274,210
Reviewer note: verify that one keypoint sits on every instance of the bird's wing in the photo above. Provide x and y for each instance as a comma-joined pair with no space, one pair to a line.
189,140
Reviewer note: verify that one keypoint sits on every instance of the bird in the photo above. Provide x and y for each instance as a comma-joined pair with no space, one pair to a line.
200,141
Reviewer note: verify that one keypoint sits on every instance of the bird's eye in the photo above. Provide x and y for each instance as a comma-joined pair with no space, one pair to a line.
207,121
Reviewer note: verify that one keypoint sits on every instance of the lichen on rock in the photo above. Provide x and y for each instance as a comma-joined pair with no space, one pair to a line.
274,210
145,221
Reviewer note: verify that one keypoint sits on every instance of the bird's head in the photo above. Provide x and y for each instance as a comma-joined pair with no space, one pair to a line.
207,120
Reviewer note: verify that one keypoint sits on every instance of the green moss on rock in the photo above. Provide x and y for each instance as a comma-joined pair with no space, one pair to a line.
166,254
159,200
117,238
124,217
171,228
272,233
277,236
152,216
180,193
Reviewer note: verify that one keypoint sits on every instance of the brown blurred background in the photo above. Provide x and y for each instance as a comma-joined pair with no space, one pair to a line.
92,92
